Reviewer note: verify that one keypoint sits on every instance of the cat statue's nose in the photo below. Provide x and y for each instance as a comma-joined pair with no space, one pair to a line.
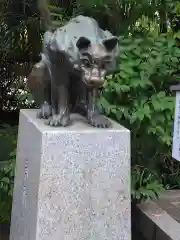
97,77
95,73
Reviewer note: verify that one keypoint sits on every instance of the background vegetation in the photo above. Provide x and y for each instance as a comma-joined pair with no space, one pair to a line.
138,97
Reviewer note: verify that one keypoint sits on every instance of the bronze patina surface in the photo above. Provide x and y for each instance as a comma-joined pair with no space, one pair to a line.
76,58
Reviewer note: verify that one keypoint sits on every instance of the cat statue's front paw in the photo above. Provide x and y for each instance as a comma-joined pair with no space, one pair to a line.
62,119
45,111
99,121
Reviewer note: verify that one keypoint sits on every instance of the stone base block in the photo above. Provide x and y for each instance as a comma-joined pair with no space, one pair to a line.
71,183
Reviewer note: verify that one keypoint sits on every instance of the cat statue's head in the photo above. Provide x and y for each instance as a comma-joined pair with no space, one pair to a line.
97,60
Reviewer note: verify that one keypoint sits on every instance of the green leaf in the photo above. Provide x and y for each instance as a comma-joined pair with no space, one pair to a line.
124,56
161,94
126,69
13,154
171,43
124,74
123,88
5,180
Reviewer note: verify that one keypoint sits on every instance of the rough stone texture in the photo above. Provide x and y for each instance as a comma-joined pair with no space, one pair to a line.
71,183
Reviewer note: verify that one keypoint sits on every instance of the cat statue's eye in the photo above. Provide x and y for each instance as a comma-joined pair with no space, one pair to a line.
86,62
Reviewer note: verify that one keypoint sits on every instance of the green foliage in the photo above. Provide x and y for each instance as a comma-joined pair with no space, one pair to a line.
58,15
145,185
141,90
175,21
122,16
139,97
119,16
6,187
20,44
8,134
144,25
169,171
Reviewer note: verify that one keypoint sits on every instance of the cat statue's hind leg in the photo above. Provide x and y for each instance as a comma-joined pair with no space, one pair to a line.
39,84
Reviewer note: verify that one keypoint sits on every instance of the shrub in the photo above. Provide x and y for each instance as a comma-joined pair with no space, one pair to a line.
145,184
6,188
139,97
7,167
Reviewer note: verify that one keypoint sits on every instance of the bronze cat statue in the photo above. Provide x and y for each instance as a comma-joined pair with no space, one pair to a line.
75,61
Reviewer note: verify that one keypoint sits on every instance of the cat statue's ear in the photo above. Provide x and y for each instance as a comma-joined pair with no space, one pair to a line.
110,43
83,43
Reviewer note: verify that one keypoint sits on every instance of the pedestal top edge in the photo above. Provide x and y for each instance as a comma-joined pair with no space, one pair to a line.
79,124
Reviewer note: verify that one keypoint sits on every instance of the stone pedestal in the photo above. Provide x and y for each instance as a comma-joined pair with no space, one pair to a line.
71,183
